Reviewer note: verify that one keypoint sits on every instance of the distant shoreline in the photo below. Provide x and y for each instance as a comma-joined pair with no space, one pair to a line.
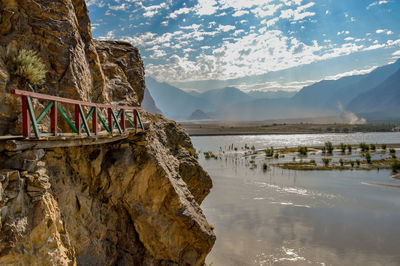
197,129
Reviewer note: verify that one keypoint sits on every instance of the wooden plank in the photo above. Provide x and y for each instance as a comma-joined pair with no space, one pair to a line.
26,132
109,118
60,142
123,125
94,121
43,113
84,120
70,101
32,116
115,119
64,115
77,119
53,119
103,122
88,116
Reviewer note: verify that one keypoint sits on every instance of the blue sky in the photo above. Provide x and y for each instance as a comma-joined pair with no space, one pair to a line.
253,44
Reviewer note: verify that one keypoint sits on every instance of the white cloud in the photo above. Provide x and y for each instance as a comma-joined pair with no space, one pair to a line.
397,53
151,11
381,2
298,14
176,13
122,7
110,36
380,31
225,28
343,32
240,13
206,7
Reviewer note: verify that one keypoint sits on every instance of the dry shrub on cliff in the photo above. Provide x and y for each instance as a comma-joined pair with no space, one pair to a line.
29,66
24,63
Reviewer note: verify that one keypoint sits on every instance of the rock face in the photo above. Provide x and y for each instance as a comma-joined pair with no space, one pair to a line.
130,202
78,66
134,201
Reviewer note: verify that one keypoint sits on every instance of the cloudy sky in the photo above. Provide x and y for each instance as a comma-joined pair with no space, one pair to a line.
252,44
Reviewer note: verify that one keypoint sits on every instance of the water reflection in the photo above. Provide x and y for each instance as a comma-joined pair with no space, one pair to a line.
283,217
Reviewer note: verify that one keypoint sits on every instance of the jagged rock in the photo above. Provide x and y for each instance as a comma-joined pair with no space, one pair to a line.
132,202
123,70
59,30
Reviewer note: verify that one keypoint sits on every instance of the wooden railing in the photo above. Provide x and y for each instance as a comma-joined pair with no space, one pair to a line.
117,121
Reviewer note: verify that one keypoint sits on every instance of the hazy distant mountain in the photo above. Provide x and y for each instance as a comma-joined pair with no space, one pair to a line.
317,100
173,102
198,115
328,93
268,109
383,99
148,103
271,94
225,96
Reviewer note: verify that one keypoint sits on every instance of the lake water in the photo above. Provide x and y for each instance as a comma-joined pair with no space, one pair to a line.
286,217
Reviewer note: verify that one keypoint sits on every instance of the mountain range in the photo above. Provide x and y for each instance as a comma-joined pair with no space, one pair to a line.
375,95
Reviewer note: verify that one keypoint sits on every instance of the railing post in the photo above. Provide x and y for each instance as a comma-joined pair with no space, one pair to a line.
135,118
110,123
94,121
53,119
77,119
26,125
123,120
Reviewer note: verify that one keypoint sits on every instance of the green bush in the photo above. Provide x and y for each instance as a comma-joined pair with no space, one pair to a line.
391,150
364,147
341,162
329,147
326,161
383,146
265,167
372,147
395,166
302,150
358,162
342,147
269,152
352,164
349,148
28,66
368,157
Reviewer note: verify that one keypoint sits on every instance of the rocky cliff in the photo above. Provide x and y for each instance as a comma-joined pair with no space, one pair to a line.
130,202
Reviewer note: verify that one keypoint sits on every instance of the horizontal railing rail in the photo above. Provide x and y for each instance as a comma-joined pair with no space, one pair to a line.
117,121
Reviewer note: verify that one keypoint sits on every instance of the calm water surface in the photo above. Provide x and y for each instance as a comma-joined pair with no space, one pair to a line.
283,217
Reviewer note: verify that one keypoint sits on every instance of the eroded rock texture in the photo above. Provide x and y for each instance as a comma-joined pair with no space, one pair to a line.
133,202
78,66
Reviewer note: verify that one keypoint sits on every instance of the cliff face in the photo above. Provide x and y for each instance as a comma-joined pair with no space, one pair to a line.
131,202
78,66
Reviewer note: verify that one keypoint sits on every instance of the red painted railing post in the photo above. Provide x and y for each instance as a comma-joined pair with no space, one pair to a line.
110,122
94,121
77,119
135,118
53,119
123,126
26,125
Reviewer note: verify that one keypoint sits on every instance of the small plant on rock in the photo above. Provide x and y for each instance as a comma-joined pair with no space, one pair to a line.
28,65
